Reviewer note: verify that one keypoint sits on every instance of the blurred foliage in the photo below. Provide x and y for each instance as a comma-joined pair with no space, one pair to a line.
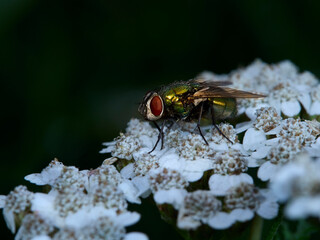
302,230
72,72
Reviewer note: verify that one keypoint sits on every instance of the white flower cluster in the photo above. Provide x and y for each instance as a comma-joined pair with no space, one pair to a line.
271,141
80,205
210,184
204,184
298,182
288,90
186,159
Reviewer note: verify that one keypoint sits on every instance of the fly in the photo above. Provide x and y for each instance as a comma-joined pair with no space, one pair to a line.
189,101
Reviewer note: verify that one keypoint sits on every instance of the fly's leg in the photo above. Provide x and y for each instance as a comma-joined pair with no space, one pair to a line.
171,122
214,124
160,136
198,124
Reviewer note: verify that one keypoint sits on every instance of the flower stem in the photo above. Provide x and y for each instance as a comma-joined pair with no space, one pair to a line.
256,228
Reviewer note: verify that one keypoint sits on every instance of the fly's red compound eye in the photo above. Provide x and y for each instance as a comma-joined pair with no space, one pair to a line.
156,106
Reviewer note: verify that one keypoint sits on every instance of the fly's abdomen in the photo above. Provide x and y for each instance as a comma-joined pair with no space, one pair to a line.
223,107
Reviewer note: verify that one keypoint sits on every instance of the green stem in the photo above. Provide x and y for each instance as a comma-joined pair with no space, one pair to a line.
256,228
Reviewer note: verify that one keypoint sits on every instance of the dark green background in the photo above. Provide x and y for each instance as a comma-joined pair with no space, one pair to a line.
73,72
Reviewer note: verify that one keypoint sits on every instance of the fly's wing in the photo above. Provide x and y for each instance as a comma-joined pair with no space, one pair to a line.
218,92
209,83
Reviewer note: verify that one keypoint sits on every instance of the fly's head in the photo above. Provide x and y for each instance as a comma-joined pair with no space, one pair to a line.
151,107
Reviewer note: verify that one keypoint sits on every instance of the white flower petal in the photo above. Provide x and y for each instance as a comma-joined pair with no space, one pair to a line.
172,161
87,215
127,218
187,222
221,220
272,142
291,108
42,237
192,176
35,178
268,209
283,180
110,161
302,207
109,143
9,218
47,175
198,165
148,142
261,152
2,200
108,149
135,236
253,139
242,215
252,162
128,171
305,100
239,147
274,131
142,184
44,205
276,103
130,191
267,171
241,127
173,196
220,184
315,108
301,88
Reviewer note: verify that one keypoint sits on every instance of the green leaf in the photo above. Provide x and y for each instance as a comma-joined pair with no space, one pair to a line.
275,226
304,230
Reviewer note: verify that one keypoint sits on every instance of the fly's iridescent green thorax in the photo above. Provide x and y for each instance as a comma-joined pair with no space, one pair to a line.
178,99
